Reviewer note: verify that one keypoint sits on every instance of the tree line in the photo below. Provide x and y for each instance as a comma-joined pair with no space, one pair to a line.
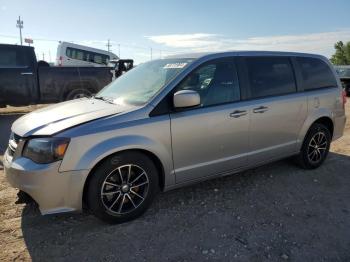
342,54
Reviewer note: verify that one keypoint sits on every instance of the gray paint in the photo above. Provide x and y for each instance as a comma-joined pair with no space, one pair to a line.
191,145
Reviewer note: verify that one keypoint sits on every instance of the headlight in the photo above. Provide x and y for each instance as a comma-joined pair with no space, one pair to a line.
46,149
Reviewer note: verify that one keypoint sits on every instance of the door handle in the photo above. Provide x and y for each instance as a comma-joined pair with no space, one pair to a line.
26,73
260,109
238,113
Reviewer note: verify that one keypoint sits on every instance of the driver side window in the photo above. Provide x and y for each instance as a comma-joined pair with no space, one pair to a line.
215,81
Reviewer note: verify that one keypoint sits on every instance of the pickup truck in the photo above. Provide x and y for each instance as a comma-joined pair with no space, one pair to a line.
26,81
344,75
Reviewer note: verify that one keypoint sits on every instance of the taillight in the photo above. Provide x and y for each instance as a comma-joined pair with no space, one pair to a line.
344,97
60,59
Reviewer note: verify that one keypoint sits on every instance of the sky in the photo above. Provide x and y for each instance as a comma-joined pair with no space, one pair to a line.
151,29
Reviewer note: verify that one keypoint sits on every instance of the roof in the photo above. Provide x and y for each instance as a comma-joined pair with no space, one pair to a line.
85,47
242,53
10,45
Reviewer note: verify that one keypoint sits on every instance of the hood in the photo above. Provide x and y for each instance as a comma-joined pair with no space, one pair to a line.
55,118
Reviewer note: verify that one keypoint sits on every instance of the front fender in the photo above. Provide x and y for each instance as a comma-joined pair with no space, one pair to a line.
93,155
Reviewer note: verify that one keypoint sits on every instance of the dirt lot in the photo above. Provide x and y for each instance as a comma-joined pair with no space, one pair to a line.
275,212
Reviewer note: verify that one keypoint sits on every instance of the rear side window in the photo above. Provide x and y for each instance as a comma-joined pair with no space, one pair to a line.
315,73
87,56
11,57
270,76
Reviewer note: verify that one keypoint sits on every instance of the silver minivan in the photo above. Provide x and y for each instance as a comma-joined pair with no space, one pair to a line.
175,121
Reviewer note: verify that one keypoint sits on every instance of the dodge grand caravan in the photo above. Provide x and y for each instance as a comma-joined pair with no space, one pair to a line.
171,122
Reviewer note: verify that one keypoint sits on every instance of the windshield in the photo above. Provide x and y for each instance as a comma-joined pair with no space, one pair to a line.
141,83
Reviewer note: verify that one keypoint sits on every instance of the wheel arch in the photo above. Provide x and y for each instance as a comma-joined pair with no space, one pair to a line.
324,118
326,121
154,158
91,86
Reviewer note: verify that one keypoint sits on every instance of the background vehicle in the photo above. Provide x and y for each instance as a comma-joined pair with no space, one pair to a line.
344,75
172,122
69,54
121,66
25,81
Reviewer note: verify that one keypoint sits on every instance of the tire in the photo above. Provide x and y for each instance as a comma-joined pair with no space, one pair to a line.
78,93
315,147
111,198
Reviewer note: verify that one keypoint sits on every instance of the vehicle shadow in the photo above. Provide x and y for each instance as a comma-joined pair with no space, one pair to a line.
6,121
274,211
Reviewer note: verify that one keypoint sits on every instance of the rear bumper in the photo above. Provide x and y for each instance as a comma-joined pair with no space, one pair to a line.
339,126
54,191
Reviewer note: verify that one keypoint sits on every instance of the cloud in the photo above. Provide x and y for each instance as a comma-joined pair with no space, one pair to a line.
194,41
321,43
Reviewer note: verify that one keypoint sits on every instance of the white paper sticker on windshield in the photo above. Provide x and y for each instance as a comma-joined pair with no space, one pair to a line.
175,65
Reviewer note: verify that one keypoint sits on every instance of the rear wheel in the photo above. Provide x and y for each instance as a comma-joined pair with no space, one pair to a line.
315,147
123,187
78,93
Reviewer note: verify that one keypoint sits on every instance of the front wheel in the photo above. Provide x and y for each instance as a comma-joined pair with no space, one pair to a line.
123,187
315,147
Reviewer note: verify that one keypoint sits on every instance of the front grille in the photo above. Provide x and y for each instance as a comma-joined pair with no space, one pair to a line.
14,139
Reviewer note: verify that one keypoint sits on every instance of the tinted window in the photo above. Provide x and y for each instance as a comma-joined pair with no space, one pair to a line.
11,57
270,76
315,73
216,82
69,52
98,59
87,56
78,54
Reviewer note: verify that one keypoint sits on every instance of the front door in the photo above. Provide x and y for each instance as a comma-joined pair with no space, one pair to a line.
213,137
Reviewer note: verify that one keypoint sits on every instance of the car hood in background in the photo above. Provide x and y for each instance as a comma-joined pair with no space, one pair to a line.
55,118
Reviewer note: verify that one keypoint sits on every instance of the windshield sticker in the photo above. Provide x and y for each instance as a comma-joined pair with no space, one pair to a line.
175,65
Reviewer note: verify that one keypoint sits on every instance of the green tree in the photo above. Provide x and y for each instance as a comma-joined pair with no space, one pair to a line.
342,54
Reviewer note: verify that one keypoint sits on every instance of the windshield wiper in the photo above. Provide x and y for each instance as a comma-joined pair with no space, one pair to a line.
104,98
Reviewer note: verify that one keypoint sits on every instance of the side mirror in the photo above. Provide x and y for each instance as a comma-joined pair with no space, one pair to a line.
186,98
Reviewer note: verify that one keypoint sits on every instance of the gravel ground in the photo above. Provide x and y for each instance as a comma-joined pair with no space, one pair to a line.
277,212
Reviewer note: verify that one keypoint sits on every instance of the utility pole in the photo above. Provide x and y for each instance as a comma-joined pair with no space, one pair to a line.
108,46
119,51
20,26
151,53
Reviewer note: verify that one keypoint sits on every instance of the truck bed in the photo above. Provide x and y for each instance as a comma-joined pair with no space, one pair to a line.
56,82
